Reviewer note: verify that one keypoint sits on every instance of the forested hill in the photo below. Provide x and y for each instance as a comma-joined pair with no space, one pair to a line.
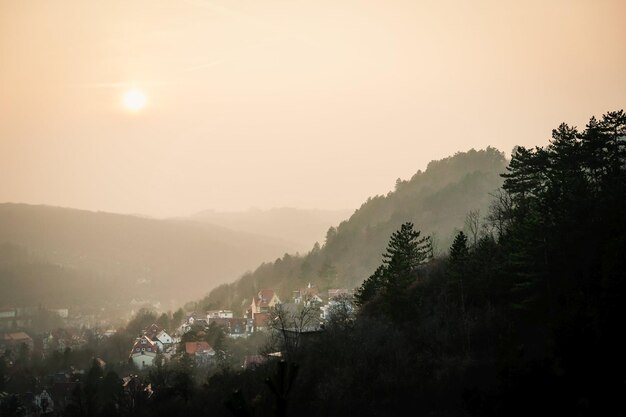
436,200
60,256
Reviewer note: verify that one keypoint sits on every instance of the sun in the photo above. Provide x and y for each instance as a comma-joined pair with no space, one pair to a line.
134,100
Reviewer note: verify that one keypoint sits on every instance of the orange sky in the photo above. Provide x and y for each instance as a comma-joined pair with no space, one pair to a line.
302,103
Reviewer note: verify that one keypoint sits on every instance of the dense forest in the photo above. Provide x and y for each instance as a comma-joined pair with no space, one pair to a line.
521,319
438,198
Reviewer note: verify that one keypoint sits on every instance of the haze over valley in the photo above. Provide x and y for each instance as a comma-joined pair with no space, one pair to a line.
125,257
74,258
299,226
312,208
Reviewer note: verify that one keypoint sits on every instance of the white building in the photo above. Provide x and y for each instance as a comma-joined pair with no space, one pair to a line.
221,314
336,306
44,403
163,340
144,352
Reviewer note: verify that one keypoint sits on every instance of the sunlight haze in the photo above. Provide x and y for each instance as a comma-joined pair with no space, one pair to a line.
306,104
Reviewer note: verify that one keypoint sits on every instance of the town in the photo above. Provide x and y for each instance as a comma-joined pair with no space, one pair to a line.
200,341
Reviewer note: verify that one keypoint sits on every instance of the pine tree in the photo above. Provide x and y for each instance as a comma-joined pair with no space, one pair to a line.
405,252
371,286
459,256
458,250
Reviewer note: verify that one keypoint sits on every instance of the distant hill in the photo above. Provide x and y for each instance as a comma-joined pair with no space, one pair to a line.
303,227
436,201
55,255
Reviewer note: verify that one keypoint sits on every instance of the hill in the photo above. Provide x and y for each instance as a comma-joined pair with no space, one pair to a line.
294,225
57,256
435,200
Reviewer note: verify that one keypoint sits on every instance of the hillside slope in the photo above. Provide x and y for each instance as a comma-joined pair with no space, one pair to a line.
123,257
437,199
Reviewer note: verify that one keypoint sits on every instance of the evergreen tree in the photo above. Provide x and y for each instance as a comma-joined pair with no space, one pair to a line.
459,251
91,386
405,252
371,286
459,256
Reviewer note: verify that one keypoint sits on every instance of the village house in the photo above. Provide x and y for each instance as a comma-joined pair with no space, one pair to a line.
307,296
44,403
338,292
258,312
338,299
61,312
61,339
164,341
144,352
108,333
201,322
8,318
152,330
262,302
14,318
233,328
202,352
182,329
335,306
190,320
192,317
221,314
159,336
236,328
260,322
15,340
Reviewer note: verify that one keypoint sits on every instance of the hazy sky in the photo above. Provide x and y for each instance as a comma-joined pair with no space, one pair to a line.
302,103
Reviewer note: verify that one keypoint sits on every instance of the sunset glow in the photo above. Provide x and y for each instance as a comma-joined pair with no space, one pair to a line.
134,100
266,90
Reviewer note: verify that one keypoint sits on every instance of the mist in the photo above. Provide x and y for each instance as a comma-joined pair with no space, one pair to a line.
311,105
277,208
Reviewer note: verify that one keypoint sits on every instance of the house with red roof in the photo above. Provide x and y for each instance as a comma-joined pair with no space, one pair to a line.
201,351
261,305
307,296
152,330
264,301
159,336
144,352
16,339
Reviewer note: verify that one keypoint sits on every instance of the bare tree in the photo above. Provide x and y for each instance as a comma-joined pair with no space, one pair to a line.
500,210
288,322
472,225
434,243
341,312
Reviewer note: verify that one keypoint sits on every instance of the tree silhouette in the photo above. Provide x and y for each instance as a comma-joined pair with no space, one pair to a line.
405,252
